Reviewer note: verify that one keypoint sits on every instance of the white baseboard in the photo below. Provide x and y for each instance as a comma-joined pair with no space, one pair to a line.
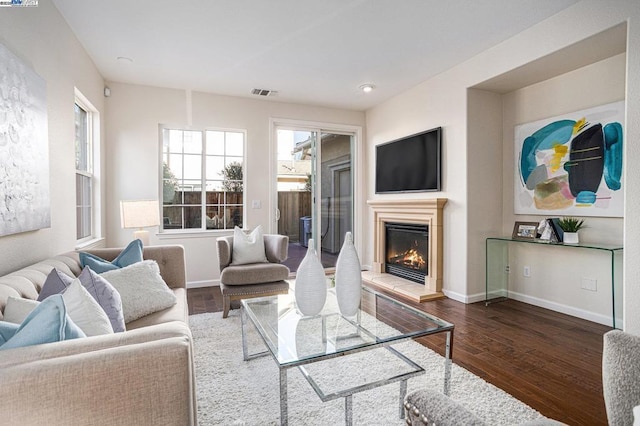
565,309
205,283
557,307
463,297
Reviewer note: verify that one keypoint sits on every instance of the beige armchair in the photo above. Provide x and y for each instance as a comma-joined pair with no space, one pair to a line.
255,279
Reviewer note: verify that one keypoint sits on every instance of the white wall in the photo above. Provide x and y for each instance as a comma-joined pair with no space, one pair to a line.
133,115
556,274
442,101
41,38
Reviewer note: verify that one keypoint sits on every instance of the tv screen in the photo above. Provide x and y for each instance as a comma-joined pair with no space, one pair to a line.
409,164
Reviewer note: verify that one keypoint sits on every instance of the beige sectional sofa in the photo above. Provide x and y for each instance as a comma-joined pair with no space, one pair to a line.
143,376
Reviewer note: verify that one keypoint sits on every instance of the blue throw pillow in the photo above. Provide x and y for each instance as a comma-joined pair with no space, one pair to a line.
7,330
47,323
130,255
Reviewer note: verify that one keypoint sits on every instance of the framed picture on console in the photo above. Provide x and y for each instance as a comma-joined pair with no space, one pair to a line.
525,231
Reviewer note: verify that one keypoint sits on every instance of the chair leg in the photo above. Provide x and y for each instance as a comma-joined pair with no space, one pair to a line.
226,304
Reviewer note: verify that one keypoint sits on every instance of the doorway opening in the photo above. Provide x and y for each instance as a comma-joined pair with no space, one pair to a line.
315,191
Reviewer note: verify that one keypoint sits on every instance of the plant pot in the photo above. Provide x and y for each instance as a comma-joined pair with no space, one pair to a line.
570,238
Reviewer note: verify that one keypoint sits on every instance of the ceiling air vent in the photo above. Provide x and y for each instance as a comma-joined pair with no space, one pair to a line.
264,92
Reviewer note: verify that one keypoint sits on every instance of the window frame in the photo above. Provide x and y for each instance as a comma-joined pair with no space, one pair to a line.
203,180
92,170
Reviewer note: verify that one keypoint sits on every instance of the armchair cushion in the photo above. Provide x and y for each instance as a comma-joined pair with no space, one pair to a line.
256,273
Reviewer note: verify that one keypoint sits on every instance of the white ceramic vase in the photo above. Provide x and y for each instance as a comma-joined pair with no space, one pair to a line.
570,238
348,278
311,285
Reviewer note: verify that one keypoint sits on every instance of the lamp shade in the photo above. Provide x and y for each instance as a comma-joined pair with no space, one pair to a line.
139,213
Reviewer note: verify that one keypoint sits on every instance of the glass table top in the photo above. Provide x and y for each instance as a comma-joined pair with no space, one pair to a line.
294,339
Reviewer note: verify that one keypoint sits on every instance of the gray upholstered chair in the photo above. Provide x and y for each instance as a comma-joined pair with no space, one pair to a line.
621,376
431,407
255,279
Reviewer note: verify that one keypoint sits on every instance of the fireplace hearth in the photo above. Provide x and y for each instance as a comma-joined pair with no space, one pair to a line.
407,251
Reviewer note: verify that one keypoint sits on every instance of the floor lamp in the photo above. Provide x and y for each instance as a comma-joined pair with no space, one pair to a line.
140,214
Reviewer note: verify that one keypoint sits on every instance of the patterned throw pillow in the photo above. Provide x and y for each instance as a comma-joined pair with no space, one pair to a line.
128,256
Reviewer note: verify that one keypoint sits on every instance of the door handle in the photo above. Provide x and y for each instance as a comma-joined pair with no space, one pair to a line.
277,214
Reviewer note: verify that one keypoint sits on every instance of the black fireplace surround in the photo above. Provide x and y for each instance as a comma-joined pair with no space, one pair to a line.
407,251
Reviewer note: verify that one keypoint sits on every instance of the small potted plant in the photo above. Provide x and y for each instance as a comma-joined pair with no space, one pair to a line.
571,226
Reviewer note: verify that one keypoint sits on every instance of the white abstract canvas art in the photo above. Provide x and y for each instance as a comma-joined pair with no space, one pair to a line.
24,148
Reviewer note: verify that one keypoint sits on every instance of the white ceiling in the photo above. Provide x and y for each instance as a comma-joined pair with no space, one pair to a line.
311,51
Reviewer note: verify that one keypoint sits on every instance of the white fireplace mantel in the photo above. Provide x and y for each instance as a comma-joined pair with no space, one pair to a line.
422,212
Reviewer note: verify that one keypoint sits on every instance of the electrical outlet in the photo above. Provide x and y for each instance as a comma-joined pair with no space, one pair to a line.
256,204
590,284
526,271
507,269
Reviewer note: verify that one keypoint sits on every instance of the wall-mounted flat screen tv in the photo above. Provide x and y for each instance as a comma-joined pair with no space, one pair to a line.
410,164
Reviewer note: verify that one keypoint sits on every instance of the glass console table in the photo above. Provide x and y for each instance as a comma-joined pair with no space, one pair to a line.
497,267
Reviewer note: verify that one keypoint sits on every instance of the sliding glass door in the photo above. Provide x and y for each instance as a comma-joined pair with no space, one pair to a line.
315,191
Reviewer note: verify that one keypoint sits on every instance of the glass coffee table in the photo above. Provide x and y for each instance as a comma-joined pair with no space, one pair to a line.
294,340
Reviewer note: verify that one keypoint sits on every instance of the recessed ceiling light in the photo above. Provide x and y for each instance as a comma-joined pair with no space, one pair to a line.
124,59
366,88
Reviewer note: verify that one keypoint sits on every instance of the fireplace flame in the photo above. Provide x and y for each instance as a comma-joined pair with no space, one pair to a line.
409,259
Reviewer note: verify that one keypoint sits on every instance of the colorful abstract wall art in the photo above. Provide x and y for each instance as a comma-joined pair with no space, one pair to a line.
571,164
24,148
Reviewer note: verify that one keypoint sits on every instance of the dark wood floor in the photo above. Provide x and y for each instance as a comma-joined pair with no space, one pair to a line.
548,360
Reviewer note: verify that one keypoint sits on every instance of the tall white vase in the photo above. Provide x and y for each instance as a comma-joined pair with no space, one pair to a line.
348,278
311,284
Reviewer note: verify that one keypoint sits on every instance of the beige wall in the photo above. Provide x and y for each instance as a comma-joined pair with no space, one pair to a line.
133,115
41,38
443,101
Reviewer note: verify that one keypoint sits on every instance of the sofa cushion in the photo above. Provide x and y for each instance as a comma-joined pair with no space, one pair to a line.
84,311
141,288
177,312
128,256
18,309
47,323
255,273
56,283
248,248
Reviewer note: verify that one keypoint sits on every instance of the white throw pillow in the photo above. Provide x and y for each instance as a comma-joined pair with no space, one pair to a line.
248,248
141,288
84,311
17,309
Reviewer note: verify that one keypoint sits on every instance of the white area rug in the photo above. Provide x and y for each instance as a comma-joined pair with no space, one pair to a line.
236,392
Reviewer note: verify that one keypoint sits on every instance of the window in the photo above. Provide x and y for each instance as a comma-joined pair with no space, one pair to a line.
84,173
202,179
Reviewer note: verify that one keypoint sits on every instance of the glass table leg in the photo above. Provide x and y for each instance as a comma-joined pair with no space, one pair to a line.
284,415
348,410
447,363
